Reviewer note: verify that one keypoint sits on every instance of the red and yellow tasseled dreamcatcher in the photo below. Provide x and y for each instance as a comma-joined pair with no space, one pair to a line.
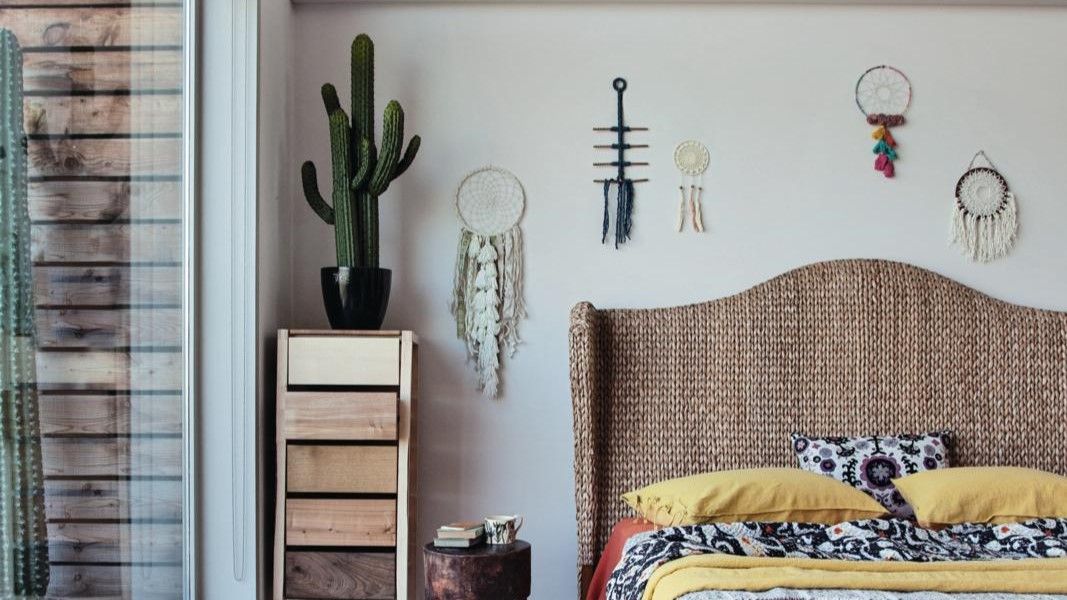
883,94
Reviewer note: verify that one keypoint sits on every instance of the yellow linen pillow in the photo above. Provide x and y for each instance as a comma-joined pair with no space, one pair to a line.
789,495
984,495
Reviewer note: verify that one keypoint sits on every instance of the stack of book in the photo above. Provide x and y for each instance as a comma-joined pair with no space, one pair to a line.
462,534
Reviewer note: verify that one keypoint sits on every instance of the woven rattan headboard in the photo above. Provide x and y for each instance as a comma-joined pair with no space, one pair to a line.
842,347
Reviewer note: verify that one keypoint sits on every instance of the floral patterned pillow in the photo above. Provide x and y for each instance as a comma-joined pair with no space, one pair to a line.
871,463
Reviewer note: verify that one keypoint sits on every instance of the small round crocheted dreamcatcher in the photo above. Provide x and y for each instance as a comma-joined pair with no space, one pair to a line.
487,300
883,94
984,217
692,158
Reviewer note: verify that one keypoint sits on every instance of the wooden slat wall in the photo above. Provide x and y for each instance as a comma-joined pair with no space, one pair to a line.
103,104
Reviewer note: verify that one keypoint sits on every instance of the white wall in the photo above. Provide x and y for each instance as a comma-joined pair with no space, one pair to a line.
274,225
768,88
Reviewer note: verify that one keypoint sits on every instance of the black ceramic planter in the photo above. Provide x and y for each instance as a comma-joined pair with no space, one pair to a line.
356,297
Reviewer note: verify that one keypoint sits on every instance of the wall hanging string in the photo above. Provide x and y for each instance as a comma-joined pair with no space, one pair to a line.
883,94
487,300
692,158
985,216
624,204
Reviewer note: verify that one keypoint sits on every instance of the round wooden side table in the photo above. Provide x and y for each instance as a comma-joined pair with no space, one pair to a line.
500,572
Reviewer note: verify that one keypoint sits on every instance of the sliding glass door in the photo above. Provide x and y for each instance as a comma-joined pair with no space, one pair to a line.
93,286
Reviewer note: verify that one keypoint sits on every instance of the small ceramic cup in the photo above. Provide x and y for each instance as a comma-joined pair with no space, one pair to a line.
502,529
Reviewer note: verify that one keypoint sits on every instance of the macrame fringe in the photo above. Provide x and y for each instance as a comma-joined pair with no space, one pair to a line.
988,237
487,301
624,208
458,305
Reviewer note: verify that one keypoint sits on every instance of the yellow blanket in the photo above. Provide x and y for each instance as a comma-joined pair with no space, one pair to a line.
704,572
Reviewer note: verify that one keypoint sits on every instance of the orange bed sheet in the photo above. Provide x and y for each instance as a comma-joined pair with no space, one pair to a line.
612,554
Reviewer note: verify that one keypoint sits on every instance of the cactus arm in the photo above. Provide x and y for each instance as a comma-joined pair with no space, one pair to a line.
409,157
310,179
389,155
363,86
344,230
329,99
367,158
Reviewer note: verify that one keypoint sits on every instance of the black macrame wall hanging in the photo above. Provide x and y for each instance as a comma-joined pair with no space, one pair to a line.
624,203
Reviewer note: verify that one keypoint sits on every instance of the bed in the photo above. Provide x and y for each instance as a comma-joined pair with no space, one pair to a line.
838,347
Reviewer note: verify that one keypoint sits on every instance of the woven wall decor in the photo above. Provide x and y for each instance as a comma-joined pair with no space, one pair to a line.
692,158
487,300
984,217
883,94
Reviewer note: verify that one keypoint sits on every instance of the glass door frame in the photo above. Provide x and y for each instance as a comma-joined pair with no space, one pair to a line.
190,137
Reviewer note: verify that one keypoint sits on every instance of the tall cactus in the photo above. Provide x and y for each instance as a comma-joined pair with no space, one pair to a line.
362,170
23,539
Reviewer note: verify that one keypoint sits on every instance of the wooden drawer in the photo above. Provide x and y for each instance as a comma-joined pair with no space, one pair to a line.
341,469
342,360
340,416
332,522
347,575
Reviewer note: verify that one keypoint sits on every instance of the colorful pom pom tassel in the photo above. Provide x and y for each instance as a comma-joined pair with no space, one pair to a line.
881,162
885,149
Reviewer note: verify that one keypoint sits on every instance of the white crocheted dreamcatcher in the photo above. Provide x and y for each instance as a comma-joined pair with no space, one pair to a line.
985,216
487,300
692,158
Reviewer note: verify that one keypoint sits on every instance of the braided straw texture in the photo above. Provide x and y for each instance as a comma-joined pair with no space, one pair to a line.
844,347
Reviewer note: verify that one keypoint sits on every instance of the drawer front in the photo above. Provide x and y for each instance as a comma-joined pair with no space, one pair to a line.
340,416
341,360
340,575
332,522
341,469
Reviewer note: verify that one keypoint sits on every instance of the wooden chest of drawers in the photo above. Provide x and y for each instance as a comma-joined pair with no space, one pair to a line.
345,520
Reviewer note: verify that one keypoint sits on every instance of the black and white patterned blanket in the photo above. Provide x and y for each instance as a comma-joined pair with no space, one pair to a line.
868,540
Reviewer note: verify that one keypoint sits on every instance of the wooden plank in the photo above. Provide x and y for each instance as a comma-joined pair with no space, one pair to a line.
332,522
339,416
80,200
109,328
105,71
158,582
111,457
107,286
94,27
333,360
278,576
342,469
68,157
101,370
135,242
110,500
116,115
365,575
406,493
35,3
115,542
109,414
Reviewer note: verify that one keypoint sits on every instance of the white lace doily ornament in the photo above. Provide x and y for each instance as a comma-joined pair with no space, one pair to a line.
490,201
692,159
883,90
487,300
985,215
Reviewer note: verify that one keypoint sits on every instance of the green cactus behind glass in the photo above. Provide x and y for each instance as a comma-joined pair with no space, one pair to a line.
362,170
24,539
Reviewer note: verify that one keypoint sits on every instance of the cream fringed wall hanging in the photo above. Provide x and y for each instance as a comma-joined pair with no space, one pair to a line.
692,158
487,300
985,216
